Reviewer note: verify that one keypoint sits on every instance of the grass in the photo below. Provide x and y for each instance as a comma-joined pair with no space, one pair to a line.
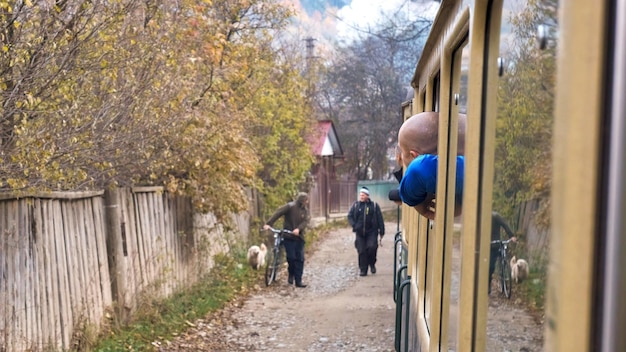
532,290
165,319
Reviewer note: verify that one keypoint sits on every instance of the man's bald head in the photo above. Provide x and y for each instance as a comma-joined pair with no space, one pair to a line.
418,135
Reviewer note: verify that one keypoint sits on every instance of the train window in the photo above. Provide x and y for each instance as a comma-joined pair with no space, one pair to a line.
430,250
430,232
458,109
436,87
522,178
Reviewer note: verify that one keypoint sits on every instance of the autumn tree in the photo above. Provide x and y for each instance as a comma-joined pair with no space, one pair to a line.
141,92
363,87
286,120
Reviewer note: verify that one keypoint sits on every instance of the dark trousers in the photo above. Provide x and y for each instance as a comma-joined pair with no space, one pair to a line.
367,247
493,258
295,258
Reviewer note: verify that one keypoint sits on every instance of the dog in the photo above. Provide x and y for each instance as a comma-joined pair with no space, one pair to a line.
519,269
256,256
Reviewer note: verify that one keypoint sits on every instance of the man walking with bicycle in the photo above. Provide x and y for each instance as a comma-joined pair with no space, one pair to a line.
296,218
367,223
497,223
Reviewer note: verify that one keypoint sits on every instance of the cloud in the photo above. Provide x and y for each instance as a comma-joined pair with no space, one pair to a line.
335,20
314,18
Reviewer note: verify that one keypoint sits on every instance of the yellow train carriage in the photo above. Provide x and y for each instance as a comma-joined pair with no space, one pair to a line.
543,86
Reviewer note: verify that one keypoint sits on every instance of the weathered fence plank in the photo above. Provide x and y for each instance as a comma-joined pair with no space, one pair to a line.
52,282
134,263
65,306
15,295
103,262
50,323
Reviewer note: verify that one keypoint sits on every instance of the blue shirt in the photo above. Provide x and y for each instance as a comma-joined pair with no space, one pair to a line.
420,179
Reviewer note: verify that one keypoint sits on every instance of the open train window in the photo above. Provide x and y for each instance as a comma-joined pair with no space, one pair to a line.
430,244
456,117
522,171
436,88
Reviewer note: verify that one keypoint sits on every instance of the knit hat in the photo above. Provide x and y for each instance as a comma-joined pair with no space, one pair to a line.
364,190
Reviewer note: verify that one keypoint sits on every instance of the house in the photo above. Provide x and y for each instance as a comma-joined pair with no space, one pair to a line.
328,195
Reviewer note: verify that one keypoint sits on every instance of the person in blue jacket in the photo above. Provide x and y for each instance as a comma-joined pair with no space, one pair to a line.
417,154
419,184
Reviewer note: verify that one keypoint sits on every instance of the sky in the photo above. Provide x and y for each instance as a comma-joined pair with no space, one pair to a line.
328,20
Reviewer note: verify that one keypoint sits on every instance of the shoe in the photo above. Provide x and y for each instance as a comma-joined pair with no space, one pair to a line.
363,273
290,280
373,269
301,285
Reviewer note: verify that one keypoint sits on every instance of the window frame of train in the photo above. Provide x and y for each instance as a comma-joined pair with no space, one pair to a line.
433,81
587,280
585,306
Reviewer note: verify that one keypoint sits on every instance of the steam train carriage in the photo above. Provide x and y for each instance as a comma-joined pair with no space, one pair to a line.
543,86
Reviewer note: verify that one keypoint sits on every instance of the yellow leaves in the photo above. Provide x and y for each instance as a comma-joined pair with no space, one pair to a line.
5,5
157,105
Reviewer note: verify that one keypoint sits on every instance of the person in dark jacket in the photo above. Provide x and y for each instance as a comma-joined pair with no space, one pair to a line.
367,223
296,218
497,224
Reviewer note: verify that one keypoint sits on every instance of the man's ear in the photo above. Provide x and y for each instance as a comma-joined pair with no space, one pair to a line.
413,154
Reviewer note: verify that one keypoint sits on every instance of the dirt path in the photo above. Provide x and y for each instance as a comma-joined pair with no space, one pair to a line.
338,311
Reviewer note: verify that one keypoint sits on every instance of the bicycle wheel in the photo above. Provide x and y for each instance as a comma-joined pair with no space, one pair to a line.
271,268
505,277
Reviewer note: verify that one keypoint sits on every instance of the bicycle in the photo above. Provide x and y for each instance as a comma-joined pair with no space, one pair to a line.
505,267
273,262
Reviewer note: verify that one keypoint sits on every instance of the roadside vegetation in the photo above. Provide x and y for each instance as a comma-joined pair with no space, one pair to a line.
162,320
198,97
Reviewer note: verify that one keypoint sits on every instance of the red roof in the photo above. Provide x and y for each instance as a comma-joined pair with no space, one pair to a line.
325,131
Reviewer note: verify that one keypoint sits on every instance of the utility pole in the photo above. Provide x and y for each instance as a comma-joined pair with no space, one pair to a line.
310,48
309,70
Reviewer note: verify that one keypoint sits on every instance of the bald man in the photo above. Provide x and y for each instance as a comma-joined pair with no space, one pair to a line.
418,135
417,149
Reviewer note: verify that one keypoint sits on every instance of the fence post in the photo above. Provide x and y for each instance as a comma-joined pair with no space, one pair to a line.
115,251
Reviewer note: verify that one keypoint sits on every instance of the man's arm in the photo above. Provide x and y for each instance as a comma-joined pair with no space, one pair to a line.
427,207
381,221
351,218
504,225
277,214
507,229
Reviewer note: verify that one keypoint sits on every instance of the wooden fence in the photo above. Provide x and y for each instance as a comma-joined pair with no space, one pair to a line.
334,198
536,237
66,258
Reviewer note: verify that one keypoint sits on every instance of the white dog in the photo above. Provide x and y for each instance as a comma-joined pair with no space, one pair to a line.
519,269
256,256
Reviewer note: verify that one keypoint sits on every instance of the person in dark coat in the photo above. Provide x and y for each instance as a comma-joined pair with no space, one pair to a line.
296,218
367,223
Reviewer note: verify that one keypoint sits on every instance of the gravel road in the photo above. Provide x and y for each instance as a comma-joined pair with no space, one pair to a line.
339,311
